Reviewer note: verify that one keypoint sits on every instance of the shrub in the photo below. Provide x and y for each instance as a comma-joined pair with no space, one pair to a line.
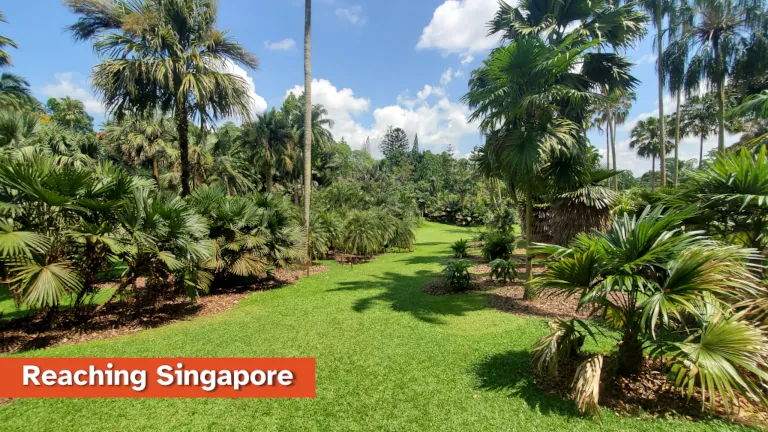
504,270
498,245
460,248
457,276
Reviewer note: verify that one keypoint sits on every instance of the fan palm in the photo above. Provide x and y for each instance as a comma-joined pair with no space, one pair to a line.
143,137
660,286
646,140
70,113
165,55
272,138
699,118
15,94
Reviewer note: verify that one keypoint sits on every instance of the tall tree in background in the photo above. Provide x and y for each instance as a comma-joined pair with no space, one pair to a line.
699,118
165,55
271,136
415,152
307,120
646,140
367,145
70,113
657,9
394,145
140,138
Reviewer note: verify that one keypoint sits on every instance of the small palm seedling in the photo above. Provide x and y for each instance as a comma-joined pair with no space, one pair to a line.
504,270
498,244
460,248
456,275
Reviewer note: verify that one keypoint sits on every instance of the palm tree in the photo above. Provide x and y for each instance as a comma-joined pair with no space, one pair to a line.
5,58
718,35
756,107
165,55
619,102
15,93
658,9
144,137
699,118
307,120
645,138
70,113
271,136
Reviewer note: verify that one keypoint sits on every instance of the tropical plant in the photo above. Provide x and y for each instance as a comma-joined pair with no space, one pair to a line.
658,9
70,113
5,58
139,138
273,139
460,248
457,276
15,94
664,288
167,56
308,116
754,106
699,118
646,140
504,270
498,245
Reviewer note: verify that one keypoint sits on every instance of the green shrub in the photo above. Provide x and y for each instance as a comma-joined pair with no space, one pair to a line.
498,245
504,270
456,275
460,248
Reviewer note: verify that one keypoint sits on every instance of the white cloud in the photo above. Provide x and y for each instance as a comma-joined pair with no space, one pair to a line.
342,105
446,77
646,59
75,86
460,27
458,74
259,104
353,14
438,123
669,107
283,45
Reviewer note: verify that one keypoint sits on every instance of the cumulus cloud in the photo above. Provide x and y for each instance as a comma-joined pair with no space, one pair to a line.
438,121
353,14
258,103
75,86
446,77
283,45
460,27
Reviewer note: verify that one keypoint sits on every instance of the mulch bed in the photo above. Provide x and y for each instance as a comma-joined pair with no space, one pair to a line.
22,334
647,395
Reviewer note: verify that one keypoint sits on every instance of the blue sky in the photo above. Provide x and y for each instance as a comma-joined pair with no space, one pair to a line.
375,63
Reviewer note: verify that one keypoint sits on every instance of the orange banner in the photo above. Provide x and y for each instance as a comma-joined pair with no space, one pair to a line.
157,378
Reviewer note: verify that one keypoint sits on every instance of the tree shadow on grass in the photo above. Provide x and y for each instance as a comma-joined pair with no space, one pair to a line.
404,294
511,372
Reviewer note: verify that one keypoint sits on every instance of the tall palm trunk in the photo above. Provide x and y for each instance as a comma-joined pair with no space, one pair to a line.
607,147
182,128
677,138
701,151
721,116
307,118
653,173
613,152
527,294
659,70
268,174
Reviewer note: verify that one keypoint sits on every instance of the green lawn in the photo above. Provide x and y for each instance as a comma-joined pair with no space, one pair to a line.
388,358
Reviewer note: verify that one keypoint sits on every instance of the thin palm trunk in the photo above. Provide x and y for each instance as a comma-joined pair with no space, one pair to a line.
613,153
268,174
527,294
701,151
659,70
307,119
182,127
721,116
653,173
607,148
677,139
155,172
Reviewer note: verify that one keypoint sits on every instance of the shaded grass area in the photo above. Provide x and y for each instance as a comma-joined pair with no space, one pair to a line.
9,309
389,357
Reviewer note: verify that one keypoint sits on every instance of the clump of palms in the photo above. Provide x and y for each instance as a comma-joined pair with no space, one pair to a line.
646,140
664,289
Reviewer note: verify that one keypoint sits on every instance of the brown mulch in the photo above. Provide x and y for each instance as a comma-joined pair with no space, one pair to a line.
648,395
22,334
509,298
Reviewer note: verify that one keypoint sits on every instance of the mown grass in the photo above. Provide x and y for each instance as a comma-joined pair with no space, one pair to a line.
389,357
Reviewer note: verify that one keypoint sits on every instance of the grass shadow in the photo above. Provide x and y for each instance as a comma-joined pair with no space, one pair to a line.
511,372
404,293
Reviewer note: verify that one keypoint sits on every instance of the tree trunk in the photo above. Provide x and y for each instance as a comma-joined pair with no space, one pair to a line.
613,153
662,130
721,116
677,139
155,172
653,173
307,119
527,294
701,151
607,146
182,127
630,354
268,173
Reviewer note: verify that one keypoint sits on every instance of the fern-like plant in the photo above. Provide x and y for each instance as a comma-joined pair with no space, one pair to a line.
457,276
504,270
460,248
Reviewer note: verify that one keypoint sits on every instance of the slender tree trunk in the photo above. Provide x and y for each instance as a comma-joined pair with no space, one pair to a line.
607,146
268,174
613,153
653,173
226,185
721,116
307,119
662,130
527,294
155,172
182,128
701,151
677,139
630,353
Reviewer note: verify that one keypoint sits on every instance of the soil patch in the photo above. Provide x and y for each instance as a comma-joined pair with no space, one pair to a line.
117,319
508,297
648,395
